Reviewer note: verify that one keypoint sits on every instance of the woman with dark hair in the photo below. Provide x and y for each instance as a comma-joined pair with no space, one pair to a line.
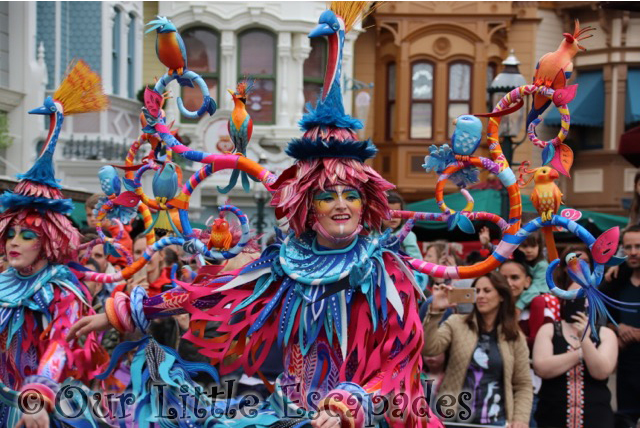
543,309
488,355
574,367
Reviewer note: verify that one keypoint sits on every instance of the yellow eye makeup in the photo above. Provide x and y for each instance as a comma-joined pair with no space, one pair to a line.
324,201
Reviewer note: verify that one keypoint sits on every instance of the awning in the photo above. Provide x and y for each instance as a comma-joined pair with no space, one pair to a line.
587,108
629,147
78,215
632,105
489,201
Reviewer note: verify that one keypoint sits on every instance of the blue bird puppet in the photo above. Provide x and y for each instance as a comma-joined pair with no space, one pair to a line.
602,250
165,185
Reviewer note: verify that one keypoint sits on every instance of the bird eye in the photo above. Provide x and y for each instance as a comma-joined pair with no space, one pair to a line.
336,26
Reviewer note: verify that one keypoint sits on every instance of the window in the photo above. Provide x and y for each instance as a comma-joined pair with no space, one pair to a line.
131,55
314,67
391,100
115,52
459,92
203,54
421,116
257,59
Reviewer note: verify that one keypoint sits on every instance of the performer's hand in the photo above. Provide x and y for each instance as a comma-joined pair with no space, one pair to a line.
440,294
87,324
40,419
326,419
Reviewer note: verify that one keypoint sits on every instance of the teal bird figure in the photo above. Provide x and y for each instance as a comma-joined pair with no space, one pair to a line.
240,127
165,187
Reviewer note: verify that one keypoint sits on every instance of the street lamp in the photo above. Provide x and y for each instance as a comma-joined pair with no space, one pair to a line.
510,125
261,196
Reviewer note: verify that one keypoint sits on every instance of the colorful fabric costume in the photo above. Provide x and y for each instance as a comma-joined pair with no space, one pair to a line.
359,335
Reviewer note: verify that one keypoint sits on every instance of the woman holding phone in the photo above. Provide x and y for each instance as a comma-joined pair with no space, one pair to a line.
488,368
574,368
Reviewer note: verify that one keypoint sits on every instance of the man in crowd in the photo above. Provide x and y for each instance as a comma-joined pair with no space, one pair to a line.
626,288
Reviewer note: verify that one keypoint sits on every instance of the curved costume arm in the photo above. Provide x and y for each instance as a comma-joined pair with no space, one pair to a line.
558,292
129,313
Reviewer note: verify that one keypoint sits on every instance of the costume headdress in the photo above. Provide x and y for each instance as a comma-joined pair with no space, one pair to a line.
37,198
329,151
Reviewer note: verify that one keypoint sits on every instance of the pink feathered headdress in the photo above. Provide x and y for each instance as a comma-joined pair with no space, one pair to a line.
295,187
60,239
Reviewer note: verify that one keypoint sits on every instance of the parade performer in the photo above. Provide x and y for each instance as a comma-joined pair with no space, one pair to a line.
40,297
342,305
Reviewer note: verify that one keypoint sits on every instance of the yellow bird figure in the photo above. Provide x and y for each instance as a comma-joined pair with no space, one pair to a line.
546,198
220,237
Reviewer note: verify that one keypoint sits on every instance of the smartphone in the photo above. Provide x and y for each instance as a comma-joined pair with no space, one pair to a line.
462,295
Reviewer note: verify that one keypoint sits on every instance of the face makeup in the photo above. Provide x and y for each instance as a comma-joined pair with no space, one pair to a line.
338,210
23,249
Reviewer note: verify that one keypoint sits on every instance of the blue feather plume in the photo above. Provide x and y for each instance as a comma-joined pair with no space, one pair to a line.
13,200
306,148
42,171
330,113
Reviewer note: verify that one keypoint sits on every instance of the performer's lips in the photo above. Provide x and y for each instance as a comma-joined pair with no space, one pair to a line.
14,254
341,218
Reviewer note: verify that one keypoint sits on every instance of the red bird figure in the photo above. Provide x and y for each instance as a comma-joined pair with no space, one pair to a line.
221,237
554,70
546,198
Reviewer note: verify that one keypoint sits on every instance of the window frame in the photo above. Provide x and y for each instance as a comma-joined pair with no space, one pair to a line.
240,75
390,102
131,49
431,101
207,74
469,102
115,50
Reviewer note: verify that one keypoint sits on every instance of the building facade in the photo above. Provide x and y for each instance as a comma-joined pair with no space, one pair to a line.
38,40
432,61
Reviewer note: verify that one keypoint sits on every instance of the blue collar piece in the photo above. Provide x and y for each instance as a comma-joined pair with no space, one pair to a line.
34,292
316,287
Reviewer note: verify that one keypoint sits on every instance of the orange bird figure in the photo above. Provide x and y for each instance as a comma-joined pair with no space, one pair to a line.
546,198
221,237
554,70
169,45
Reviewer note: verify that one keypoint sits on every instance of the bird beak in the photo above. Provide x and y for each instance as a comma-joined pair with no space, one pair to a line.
40,110
321,30
554,174
233,94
